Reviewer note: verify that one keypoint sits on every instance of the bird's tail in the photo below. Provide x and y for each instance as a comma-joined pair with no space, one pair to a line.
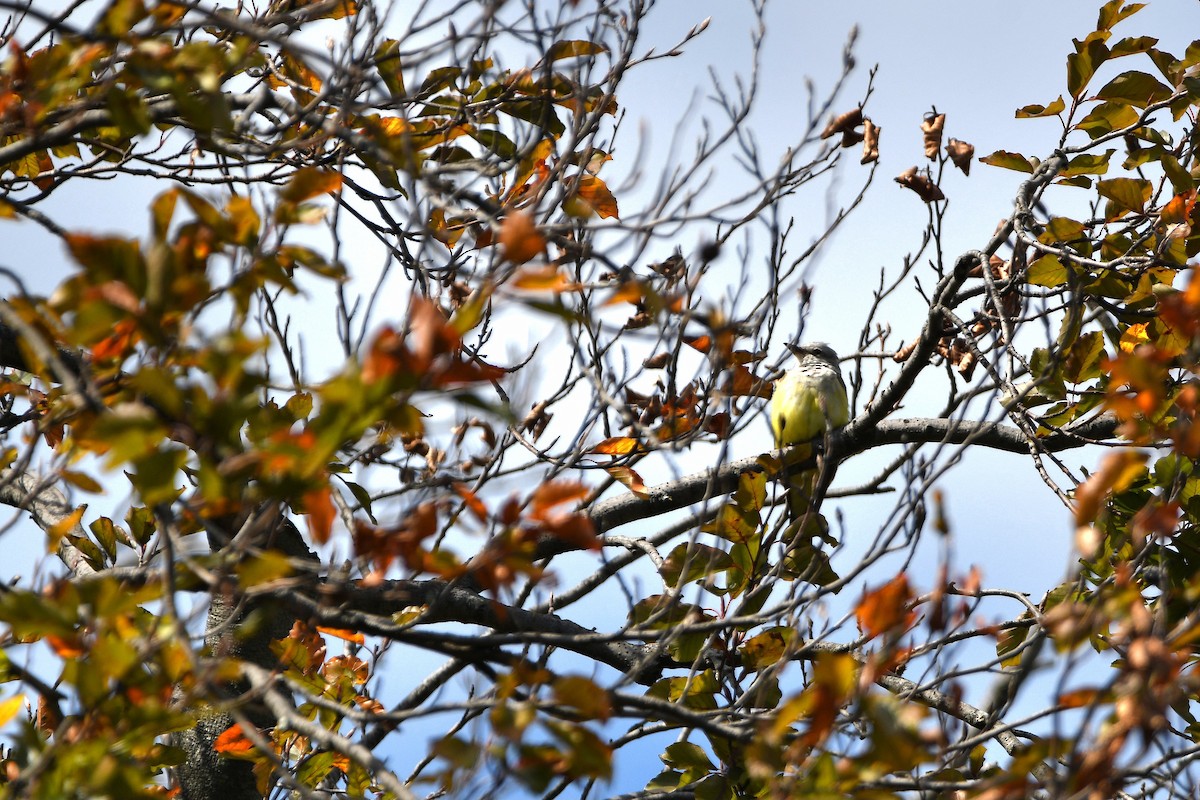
806,527
800,479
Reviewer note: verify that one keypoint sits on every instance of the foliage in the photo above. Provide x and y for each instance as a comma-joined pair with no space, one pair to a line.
318,323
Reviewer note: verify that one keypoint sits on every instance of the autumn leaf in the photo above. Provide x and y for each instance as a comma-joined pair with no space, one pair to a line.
10,708
233,743
520,238
931,132
871,133
886,609
960,154
310,182
920,183
543,279
1117,471
617,446
630,480
318,505
590,198
842,123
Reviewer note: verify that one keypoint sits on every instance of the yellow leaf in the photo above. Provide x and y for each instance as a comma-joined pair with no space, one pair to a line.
1133,336
64,526
9,708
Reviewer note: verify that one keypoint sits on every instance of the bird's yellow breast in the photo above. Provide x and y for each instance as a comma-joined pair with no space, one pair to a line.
801,404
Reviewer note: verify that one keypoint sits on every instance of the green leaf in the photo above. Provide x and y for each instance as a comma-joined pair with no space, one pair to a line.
1114,11
1007,160
1131,46
496,142
1135,88
1009,640
1181,180
766,648
1047,271
1083,362
141,524
1106,118
387,62
268,566
1062,230
687,756
1088,164
315,768
439,79
1082,64
572,48
694,562
106,534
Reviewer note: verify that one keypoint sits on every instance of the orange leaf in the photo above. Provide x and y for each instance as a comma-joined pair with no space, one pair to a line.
630,479
887,608
117,344
520,237
591,198
1078,698
1117,471
233,742
575,529
384,358
65,647
310,182
318,504
1133,336
543,279
345,635
617,446
555,493
1179,208
472,501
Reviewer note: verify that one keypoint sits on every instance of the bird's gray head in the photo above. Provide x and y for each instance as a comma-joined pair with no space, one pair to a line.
815,351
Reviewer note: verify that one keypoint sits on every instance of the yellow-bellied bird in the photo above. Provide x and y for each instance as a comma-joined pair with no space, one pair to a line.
808,400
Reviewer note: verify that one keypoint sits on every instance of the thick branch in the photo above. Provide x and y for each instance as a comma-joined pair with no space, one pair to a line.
853,439
48,507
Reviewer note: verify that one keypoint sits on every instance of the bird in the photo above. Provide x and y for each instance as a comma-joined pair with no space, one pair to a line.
807,401
810,397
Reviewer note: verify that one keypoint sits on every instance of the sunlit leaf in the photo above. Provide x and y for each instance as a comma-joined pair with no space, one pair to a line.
1136,88
1007,160
1054,108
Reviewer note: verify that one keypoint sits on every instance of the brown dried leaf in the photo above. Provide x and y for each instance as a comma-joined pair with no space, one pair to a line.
842,123
932,127
925,188
961,153
871,133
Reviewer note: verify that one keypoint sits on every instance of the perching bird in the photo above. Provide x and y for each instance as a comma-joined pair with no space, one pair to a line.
809,399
